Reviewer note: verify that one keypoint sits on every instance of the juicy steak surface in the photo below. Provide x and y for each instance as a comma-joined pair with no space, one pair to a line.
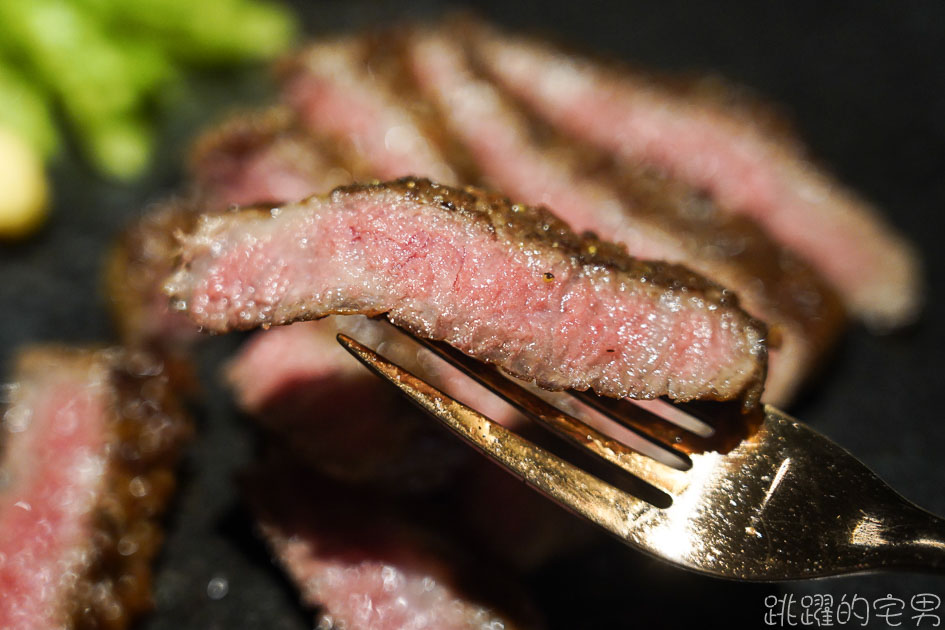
89,443
505,283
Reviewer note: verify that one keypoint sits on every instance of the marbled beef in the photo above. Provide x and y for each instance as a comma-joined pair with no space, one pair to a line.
505,283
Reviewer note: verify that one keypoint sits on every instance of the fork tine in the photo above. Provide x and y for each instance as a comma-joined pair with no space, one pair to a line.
661,477
728,421
565,425
568,485
645,423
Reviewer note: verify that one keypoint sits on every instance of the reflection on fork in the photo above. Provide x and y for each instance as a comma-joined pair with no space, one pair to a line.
754,497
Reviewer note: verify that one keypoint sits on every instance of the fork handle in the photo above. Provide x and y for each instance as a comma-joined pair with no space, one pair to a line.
907,538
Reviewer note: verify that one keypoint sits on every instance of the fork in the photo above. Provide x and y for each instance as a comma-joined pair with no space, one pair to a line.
783,503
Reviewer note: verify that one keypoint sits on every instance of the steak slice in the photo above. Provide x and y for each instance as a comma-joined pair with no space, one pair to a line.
90,440
337,98
725,151
654,217
330,412
368,565
507,284
262,157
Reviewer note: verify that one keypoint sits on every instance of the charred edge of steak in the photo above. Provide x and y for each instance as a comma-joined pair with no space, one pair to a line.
145,429
135,268
143,255
149,428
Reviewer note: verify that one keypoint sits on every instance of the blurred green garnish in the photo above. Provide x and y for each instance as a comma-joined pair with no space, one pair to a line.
102,63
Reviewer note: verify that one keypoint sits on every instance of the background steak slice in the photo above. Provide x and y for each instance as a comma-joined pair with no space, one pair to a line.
260,157
368,565
725,152
508,284
90,440
323,406
336,97
654,217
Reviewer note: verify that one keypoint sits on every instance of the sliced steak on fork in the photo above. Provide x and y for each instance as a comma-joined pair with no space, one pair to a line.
506,283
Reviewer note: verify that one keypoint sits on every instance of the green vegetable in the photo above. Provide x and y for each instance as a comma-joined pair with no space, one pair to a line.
25,108
121,146
104,64
204,32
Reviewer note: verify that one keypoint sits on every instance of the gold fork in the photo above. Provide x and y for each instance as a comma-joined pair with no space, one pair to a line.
784,503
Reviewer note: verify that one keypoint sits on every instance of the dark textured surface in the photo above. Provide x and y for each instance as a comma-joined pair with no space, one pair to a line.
865,85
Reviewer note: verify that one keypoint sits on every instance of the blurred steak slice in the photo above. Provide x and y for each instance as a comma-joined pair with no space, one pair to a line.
306,357
260,157
368,565
654,217
90,440
333,414
143,255
507,284
337,97
724,150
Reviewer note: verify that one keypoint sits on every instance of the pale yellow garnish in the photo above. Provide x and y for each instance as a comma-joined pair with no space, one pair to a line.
24,191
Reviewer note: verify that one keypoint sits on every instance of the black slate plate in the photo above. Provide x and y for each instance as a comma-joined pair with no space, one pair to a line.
866,86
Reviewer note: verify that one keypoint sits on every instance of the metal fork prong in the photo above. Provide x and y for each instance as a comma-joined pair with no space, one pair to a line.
645,423
730,422
660,475
568,485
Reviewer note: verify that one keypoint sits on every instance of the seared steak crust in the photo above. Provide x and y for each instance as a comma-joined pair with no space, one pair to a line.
506,283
